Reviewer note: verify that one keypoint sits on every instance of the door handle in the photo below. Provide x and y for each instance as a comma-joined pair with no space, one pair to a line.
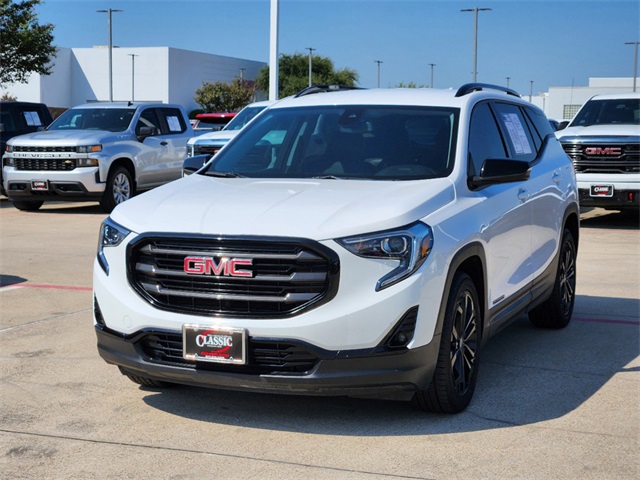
523,195
163,143
556,177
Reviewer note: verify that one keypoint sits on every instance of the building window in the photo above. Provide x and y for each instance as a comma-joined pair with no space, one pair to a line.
569,111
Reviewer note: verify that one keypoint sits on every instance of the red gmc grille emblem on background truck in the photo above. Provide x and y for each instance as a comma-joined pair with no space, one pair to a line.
227,267
616,151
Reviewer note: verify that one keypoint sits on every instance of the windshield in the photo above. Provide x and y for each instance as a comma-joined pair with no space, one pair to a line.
357,142
243,117
110,119
608,112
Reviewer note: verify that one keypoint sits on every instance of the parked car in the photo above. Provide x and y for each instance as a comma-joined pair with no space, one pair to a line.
210,143
603,140
208,122
18,118
364,242
98,151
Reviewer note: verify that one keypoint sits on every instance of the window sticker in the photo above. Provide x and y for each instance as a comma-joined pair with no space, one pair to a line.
174,123
516,132
33,119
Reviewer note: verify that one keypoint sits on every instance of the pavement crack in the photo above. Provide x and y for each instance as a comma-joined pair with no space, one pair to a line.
217,454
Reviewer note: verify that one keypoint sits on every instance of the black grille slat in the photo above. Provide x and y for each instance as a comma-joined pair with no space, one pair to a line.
19,148
48,164
263,356
285,276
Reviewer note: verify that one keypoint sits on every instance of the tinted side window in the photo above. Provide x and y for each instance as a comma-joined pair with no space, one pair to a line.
484,139
540,121
171,121
516,132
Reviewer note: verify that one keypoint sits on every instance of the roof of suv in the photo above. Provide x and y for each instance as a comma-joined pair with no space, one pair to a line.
132,105
395,96
615,96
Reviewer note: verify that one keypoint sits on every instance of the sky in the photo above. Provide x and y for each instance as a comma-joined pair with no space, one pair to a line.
552,43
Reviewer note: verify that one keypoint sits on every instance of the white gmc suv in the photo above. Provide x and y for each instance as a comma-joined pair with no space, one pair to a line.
363,242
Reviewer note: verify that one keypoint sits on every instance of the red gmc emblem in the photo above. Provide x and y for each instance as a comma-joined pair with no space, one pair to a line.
615,151
227,267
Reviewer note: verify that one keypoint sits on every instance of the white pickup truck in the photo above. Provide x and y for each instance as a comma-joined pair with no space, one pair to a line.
603,140
106,152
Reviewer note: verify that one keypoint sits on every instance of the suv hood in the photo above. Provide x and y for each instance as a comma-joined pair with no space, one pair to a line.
620,130
53,138
315,209
214,138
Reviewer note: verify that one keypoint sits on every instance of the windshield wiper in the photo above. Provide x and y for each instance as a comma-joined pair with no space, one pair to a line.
225,174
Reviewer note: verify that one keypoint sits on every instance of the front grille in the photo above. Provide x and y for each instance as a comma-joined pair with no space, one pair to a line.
263,356
597,158
206,149
18,148
58,164
284,276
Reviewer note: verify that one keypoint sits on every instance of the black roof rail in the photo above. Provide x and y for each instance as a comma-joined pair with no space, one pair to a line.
476,87
324,89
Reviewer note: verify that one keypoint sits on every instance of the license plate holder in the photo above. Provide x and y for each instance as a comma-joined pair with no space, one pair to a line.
40,185
206,343
601,191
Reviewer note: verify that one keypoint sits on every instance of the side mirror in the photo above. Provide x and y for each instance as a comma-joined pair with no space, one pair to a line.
563,125
145,132
193,164
496,171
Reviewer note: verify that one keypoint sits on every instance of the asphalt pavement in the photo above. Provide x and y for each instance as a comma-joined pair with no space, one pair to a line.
549,404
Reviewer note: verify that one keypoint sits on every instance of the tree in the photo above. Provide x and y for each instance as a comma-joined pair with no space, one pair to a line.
26,45
293,74
224,97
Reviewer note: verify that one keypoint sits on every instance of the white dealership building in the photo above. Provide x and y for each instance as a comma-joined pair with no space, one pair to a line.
164,74
172,75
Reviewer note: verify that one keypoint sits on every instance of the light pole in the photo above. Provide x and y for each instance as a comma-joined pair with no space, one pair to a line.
475,38
310,64
635,63
110,11
508,78
378,62
242,69
531,90
133,71
432,65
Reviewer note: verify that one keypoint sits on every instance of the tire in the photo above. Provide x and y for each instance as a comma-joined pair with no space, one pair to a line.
144,381
27,206
456,373
556,311
119,188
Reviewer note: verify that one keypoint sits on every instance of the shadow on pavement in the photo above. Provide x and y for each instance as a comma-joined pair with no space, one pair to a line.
528,375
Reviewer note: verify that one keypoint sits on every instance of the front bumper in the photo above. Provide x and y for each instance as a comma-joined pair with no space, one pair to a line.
362,373
81,183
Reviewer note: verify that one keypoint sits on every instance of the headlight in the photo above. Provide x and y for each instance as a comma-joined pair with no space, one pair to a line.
89,149
410,246
111,235
8,161
8,148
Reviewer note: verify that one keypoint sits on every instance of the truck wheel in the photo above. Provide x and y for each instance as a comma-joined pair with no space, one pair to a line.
144,381
557,310
27,206
119,188
456,373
